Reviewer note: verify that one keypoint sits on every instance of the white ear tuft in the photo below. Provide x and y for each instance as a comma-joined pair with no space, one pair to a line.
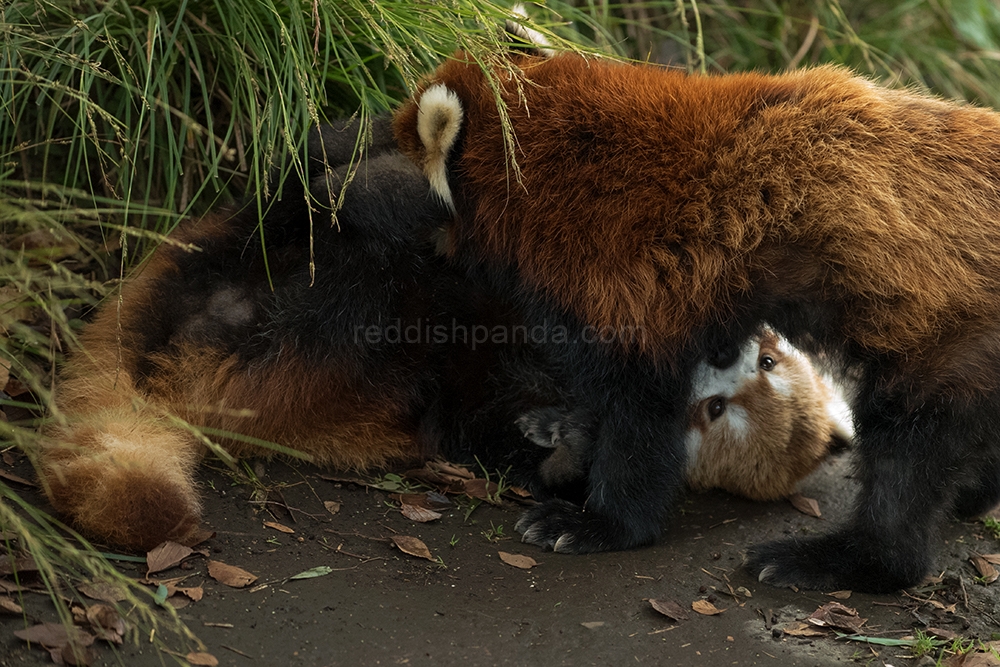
529,35
439,118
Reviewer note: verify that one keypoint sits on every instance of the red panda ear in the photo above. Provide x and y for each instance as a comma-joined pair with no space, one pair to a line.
439,118
536,42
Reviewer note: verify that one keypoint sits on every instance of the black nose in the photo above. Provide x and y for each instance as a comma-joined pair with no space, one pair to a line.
724,357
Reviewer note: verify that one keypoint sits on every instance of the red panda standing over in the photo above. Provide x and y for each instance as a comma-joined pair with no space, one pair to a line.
858,221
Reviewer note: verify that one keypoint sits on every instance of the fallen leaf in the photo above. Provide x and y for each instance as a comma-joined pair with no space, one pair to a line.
481,489
197,537
230,575
992,558
194,593
518,561
451,469
412,546
807,506
104,591
800,629
166,556
592,625
419,514
19,565
106,622
836,615
941,633
11,477
706,608
986,570
9,606
202,659
332,506
431,500
279,527
972,660
320,571
840,595
57,636
519,492
670,609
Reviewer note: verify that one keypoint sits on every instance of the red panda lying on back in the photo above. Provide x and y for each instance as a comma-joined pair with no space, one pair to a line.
859,221
757,426
761,425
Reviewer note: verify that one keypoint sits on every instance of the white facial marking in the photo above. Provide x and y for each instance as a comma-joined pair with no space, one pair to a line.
726,382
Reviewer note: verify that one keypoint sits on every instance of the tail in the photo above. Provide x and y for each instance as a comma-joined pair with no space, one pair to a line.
116,469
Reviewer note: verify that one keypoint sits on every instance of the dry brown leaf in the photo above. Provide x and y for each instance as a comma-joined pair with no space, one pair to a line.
8,605
202,659
166,556
332,506
20,565
431,500
593,625
840,595
972,660
992,558
104,591
481,489
55,635
106,622
412,546
986,570
941,633
706,608
836,615
195,593
197,537
281,528
519,492
451,469
518,561
230,575
670,609
178,602
800,629
419,514
807,506
11,477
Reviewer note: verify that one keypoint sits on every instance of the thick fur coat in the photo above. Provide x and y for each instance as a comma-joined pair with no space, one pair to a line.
858,221
387,354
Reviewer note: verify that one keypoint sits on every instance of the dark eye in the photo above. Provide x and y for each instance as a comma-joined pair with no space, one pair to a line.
716,407
767,362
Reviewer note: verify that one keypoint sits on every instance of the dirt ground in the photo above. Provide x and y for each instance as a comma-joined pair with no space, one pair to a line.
380,606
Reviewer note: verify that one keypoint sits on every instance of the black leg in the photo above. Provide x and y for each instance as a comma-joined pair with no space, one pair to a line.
636,460
980,492
908,469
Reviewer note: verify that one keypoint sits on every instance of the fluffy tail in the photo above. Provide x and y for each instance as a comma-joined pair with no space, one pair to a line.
115,468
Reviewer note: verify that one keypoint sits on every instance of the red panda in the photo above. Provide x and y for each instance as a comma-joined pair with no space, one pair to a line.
761,425
858,221
348,366
757,427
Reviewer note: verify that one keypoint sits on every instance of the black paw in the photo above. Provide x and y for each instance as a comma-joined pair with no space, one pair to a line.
566,528
841,561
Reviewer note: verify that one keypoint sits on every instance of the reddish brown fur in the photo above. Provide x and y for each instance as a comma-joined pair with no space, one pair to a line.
119,456
676,196
783,431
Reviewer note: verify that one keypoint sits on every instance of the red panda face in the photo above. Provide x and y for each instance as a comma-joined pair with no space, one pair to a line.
764,423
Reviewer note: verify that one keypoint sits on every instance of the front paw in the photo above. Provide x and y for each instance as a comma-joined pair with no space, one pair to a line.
840,561
567,528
